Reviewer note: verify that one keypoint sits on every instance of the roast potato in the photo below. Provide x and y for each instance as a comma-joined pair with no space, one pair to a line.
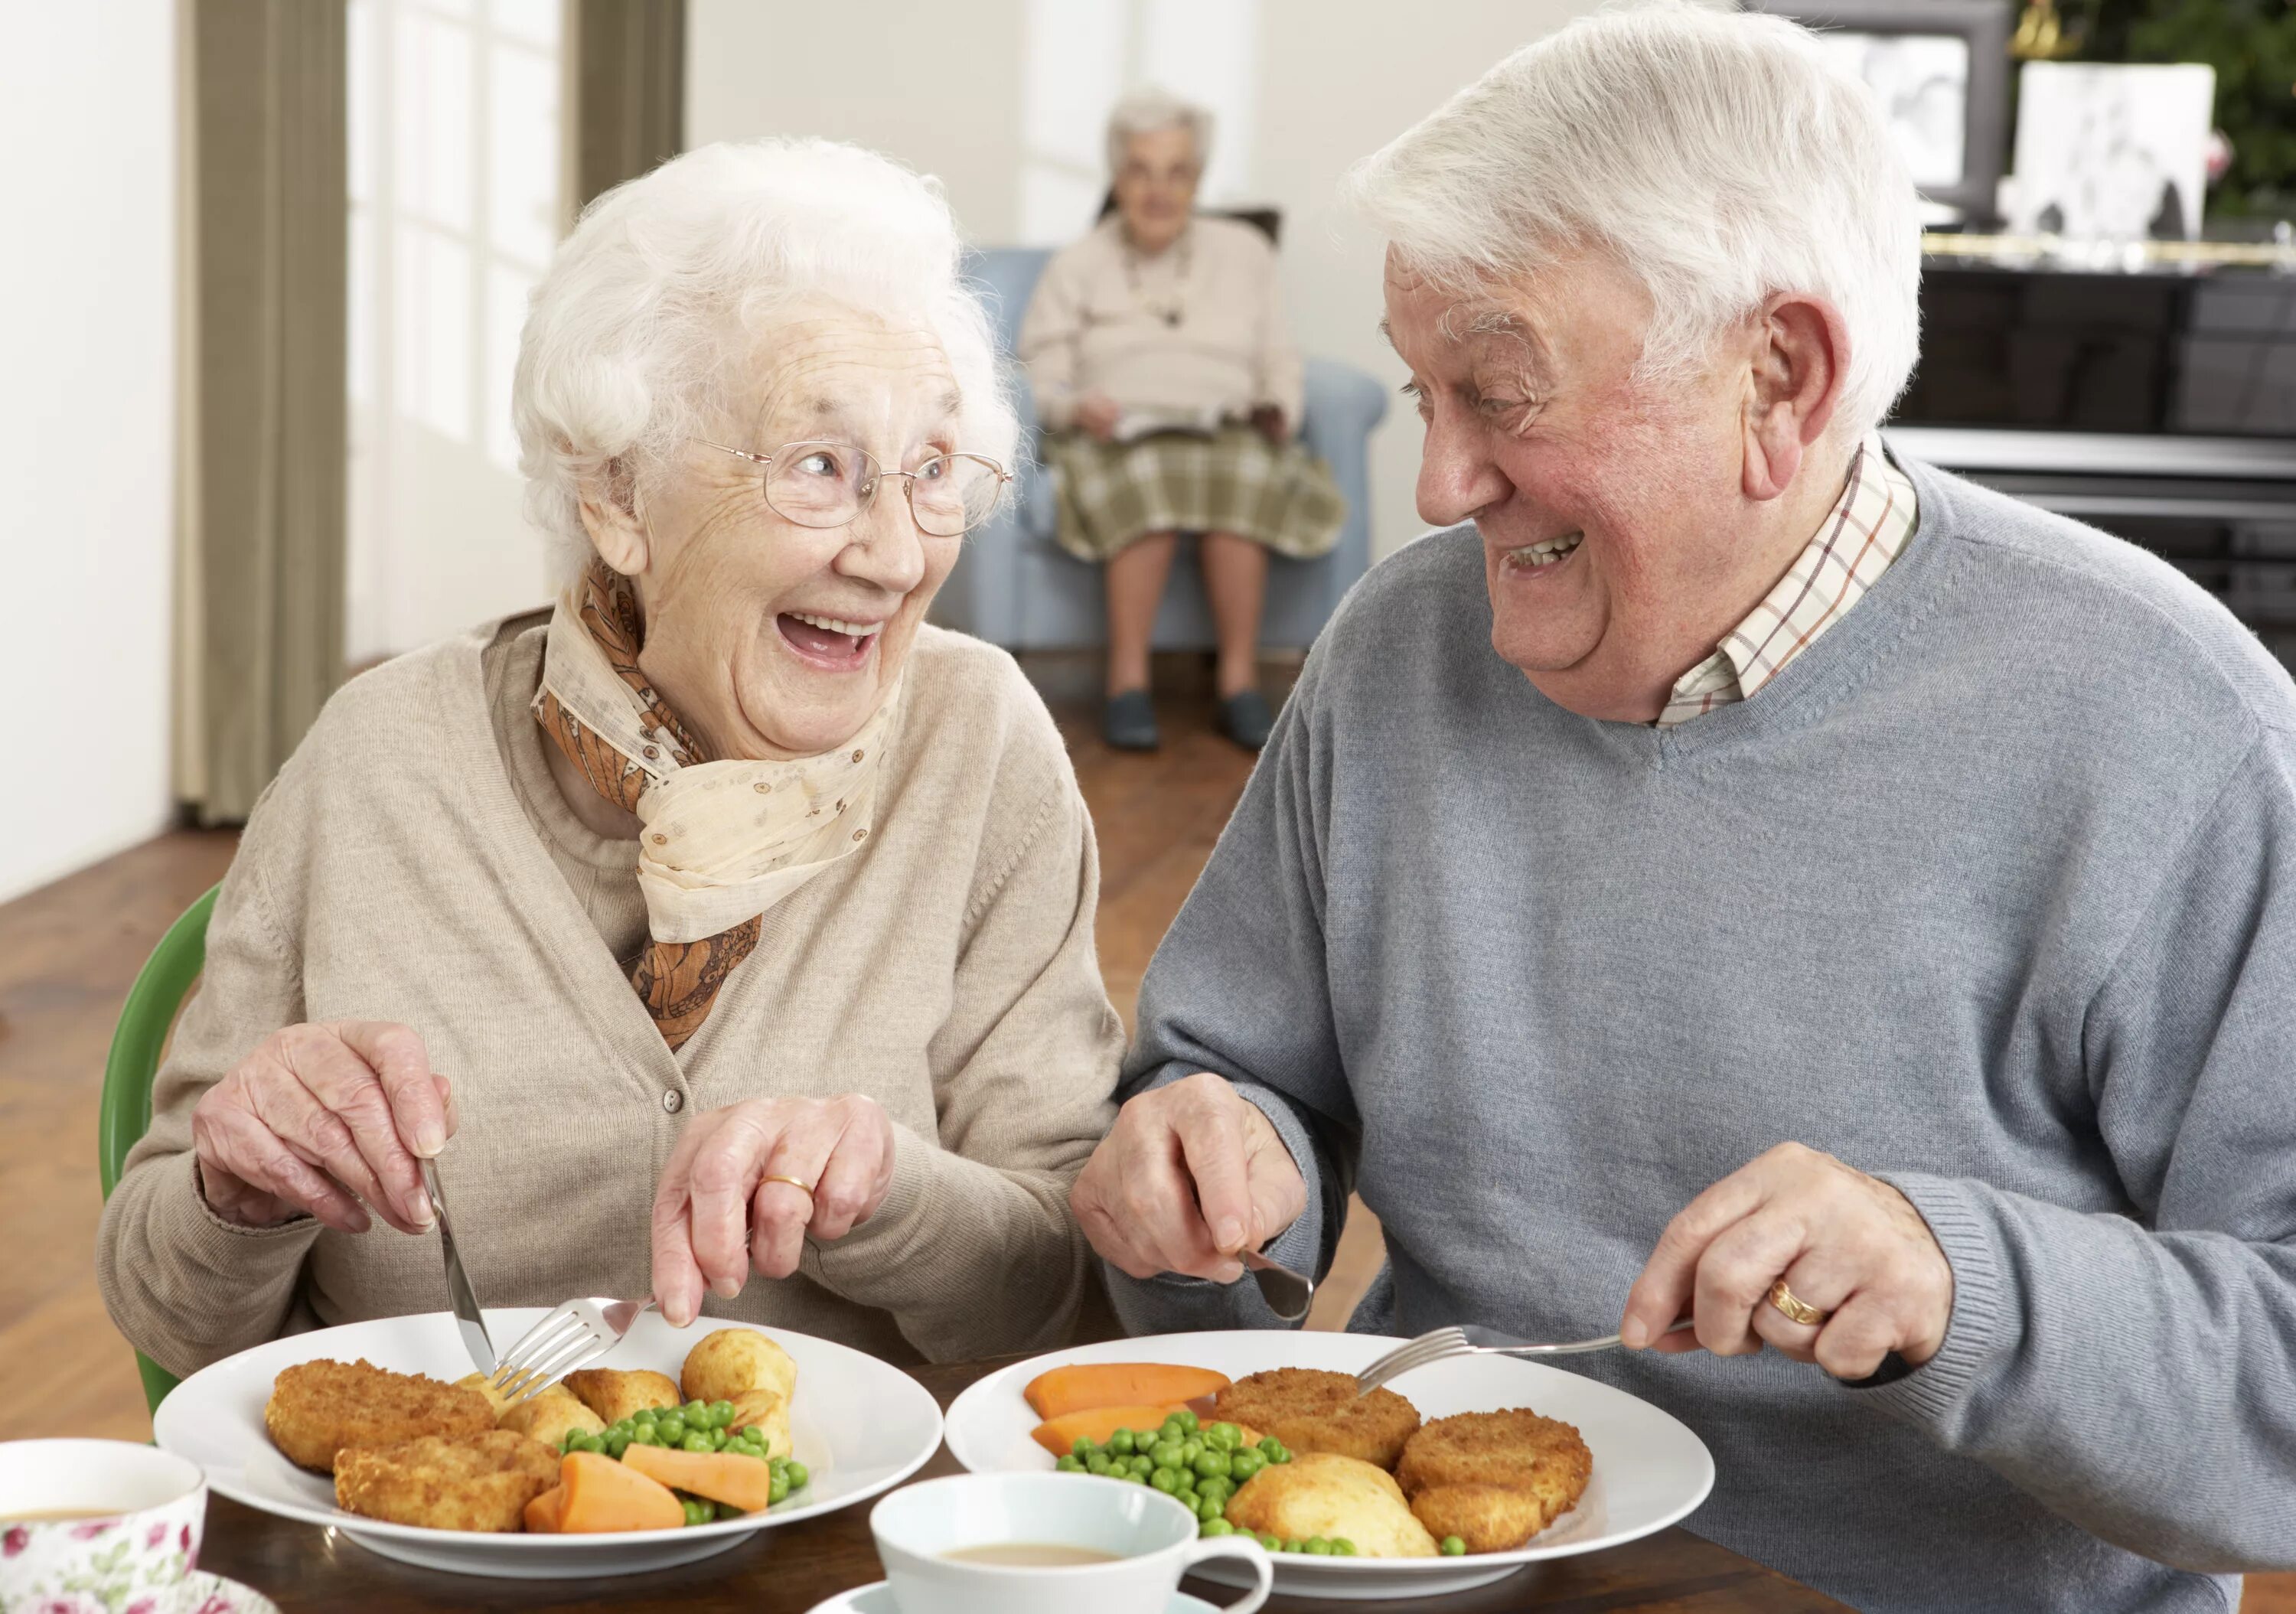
615,1394
1324,1493
730,1362
547,1415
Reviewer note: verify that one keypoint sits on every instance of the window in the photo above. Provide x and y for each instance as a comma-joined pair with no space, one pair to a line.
456,204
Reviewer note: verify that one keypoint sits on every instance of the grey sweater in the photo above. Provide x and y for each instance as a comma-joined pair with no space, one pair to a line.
1991,893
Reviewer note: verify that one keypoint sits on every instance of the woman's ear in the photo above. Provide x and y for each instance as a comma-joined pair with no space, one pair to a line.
610,516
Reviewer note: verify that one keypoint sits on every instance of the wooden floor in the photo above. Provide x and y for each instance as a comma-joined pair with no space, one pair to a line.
68,952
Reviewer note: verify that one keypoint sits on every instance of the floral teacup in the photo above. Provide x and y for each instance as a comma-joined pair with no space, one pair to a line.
97,1527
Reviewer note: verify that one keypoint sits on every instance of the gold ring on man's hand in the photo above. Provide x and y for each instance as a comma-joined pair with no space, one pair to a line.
1795,1306
799,1183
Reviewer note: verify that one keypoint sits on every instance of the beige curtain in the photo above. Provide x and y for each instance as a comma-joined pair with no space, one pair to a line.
262,415
627,66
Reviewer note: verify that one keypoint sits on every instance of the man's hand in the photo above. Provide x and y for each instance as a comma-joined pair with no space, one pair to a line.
1097,413
1190,1176
718,1214
1846,1243
326,1120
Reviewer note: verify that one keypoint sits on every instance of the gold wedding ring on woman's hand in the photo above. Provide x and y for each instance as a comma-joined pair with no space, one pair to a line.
1795,1306
806,1188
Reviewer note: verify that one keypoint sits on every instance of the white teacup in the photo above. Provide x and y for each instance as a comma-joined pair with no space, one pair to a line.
96,1523
1153,1539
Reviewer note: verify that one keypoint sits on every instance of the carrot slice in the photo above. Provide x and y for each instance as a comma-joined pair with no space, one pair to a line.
728,1476
1088,1385
1059,1435
602,1495
542,1513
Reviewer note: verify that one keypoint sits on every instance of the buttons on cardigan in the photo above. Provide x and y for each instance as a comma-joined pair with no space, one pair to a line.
673,1101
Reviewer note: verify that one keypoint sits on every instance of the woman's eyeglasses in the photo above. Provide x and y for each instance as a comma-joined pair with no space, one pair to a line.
817,484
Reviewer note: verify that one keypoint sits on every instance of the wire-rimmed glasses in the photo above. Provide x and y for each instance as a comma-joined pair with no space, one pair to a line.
829,484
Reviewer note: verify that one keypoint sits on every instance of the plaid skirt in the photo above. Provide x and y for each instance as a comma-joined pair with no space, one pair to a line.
1110,493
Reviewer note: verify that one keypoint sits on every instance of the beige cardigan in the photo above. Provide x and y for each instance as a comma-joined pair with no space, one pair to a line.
1089,329
413,861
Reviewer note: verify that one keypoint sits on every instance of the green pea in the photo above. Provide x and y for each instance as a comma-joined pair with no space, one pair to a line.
1069,1465
644,1415
721,1414
1221,1489
1208,1507
1215,1466
1171,1431
1244,1464
1453,1547
1121,1443
671,1427
695,1441
776,1490
616,1445
698,1512
1186,1419
1318,1547
1216,1526
1190,1449
1164,1479
1166,1454
1140,1464
693,1410
1341,1547
1096,1464
798,1474
1273,1544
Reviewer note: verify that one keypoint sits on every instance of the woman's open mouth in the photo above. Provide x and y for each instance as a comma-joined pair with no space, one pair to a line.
831,643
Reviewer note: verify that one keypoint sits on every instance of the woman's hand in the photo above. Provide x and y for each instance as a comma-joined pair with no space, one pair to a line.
1847,1243
1190,1176
319,1119
1097,413
716,1212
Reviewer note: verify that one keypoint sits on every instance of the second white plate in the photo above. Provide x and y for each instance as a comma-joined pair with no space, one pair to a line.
1649,1470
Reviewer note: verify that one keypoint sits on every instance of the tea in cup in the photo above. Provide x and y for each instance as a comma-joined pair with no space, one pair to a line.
106,1521
1045,1544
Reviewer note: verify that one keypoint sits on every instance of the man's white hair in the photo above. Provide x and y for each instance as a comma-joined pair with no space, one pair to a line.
653,318
1718,156
1146,111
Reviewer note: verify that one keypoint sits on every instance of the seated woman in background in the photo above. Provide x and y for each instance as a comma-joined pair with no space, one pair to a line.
1170,392
727,918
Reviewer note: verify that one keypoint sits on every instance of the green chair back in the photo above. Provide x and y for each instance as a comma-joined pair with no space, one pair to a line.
135,1044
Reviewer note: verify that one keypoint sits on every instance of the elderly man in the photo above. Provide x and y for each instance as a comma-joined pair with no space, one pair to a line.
1733,873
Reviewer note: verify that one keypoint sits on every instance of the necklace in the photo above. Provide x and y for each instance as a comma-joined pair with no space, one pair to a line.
1174,308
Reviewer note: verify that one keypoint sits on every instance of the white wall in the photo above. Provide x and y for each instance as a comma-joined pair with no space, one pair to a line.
87,156
979,95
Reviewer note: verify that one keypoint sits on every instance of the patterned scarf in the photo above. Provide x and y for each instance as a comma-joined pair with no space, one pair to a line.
723,840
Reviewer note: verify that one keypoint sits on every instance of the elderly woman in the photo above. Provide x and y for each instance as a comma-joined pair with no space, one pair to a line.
725,920
1169,391
1737,872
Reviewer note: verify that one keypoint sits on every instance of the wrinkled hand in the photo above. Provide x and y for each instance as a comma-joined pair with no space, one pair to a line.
1097,413
1190,1176
715,1215
319,1119
1845,1243
1272,424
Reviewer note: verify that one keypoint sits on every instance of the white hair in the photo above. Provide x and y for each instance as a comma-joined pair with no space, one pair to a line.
653,314
1719,157
1146,111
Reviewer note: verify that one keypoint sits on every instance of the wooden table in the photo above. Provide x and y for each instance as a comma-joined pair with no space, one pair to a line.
789,1570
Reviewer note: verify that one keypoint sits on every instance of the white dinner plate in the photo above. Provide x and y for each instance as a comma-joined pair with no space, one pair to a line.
860,1426
1650,1470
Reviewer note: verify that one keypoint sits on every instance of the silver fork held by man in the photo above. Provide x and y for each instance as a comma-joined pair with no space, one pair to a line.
1443,1344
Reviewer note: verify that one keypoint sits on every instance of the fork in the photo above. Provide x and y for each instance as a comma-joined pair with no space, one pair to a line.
1443,1344
575,1335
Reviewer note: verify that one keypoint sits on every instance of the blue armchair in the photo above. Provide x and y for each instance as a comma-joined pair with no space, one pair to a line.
1016,587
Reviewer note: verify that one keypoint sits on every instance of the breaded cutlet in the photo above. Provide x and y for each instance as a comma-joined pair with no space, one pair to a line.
1494,1479
1312,1410
319,1409
464,1482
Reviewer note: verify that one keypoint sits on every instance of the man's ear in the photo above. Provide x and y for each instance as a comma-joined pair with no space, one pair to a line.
1800,354
610,516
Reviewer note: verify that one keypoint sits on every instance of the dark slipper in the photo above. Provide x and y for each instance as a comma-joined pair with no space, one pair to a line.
1129,723
1246,718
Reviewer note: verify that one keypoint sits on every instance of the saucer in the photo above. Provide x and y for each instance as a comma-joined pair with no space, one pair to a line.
878,1599
202,1593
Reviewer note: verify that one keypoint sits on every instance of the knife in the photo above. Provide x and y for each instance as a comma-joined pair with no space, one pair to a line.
467,1315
